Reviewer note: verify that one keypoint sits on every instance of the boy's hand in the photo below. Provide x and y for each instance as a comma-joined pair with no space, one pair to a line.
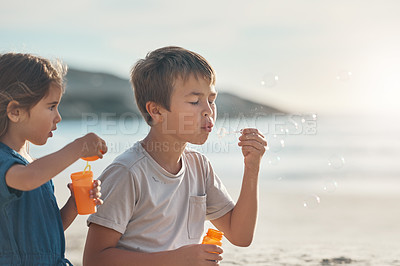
253,145
199,254
92,145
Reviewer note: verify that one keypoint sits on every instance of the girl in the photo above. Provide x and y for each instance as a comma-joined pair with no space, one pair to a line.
31,225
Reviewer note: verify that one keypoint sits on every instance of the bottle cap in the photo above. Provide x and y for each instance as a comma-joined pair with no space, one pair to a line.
91,158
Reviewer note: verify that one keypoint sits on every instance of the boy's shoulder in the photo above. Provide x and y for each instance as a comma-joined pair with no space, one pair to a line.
130,157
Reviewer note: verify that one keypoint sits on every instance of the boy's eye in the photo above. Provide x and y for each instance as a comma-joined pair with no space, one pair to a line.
194,103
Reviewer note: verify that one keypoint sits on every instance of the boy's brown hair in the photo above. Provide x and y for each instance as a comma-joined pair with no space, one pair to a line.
26,79
153,77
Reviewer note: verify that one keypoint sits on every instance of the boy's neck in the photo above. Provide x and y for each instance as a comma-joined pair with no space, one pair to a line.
165,151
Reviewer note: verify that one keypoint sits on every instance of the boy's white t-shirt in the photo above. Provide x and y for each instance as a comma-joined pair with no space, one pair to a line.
155,210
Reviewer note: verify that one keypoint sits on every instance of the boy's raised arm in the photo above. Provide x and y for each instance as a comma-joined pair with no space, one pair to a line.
238,225
100,249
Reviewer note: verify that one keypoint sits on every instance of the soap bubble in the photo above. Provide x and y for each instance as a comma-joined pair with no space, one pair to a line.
228,135
273,159
330,185
344,75
269,80
222,132
336,161
275,143
311,201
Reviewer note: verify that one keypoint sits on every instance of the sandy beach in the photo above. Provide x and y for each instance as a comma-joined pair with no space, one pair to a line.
347,226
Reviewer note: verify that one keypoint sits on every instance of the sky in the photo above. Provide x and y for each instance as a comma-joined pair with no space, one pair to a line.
325,57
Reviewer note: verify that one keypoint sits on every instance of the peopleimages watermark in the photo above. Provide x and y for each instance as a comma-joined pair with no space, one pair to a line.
188,123
117,147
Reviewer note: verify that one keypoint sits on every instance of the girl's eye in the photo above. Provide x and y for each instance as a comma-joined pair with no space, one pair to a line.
52,107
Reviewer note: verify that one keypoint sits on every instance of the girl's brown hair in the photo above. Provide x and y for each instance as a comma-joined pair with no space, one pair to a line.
26,79
153,77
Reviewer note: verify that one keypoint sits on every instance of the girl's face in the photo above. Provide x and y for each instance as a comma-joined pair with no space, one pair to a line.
42,119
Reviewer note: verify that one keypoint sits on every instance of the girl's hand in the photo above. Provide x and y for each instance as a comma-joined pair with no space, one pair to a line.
92,145
95,192
253,145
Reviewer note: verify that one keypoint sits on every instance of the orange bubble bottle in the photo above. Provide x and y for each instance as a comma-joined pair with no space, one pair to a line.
213,237
82,183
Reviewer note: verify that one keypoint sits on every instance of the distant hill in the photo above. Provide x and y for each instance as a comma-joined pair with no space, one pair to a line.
91,92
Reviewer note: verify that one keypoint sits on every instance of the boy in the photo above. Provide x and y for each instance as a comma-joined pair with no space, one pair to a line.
158,193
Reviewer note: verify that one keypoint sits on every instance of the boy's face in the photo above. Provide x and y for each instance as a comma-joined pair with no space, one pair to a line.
192,110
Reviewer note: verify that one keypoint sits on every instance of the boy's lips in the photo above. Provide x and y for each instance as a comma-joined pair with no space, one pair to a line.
208,127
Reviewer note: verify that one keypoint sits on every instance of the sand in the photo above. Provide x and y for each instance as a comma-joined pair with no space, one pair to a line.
351,225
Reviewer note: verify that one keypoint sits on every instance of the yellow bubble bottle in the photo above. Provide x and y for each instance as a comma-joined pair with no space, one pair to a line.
213,237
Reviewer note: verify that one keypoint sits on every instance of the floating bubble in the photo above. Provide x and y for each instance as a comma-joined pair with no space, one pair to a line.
311,201
222,132
336,161
275,143
280,130
330,185
269,80
292,128
344,75
314,116
229,136
309,117
273,159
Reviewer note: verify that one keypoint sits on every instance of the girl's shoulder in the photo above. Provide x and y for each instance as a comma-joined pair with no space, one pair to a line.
8,154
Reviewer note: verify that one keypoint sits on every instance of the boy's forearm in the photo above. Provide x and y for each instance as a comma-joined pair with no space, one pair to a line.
244,215
120,257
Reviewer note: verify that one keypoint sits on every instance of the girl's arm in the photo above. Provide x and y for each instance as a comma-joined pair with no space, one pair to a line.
43,169
68,212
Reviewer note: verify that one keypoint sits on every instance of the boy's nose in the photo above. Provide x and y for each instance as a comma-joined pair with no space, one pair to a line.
208,111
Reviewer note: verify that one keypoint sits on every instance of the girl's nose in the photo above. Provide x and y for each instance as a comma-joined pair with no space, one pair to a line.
58,117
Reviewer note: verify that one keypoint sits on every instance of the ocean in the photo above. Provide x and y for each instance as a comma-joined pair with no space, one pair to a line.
329,185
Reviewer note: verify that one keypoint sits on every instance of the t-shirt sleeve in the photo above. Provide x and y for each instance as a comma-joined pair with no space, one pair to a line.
7,193
219,202
118,194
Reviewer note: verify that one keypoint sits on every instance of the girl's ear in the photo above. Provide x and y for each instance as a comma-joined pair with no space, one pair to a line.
155,111
14,112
